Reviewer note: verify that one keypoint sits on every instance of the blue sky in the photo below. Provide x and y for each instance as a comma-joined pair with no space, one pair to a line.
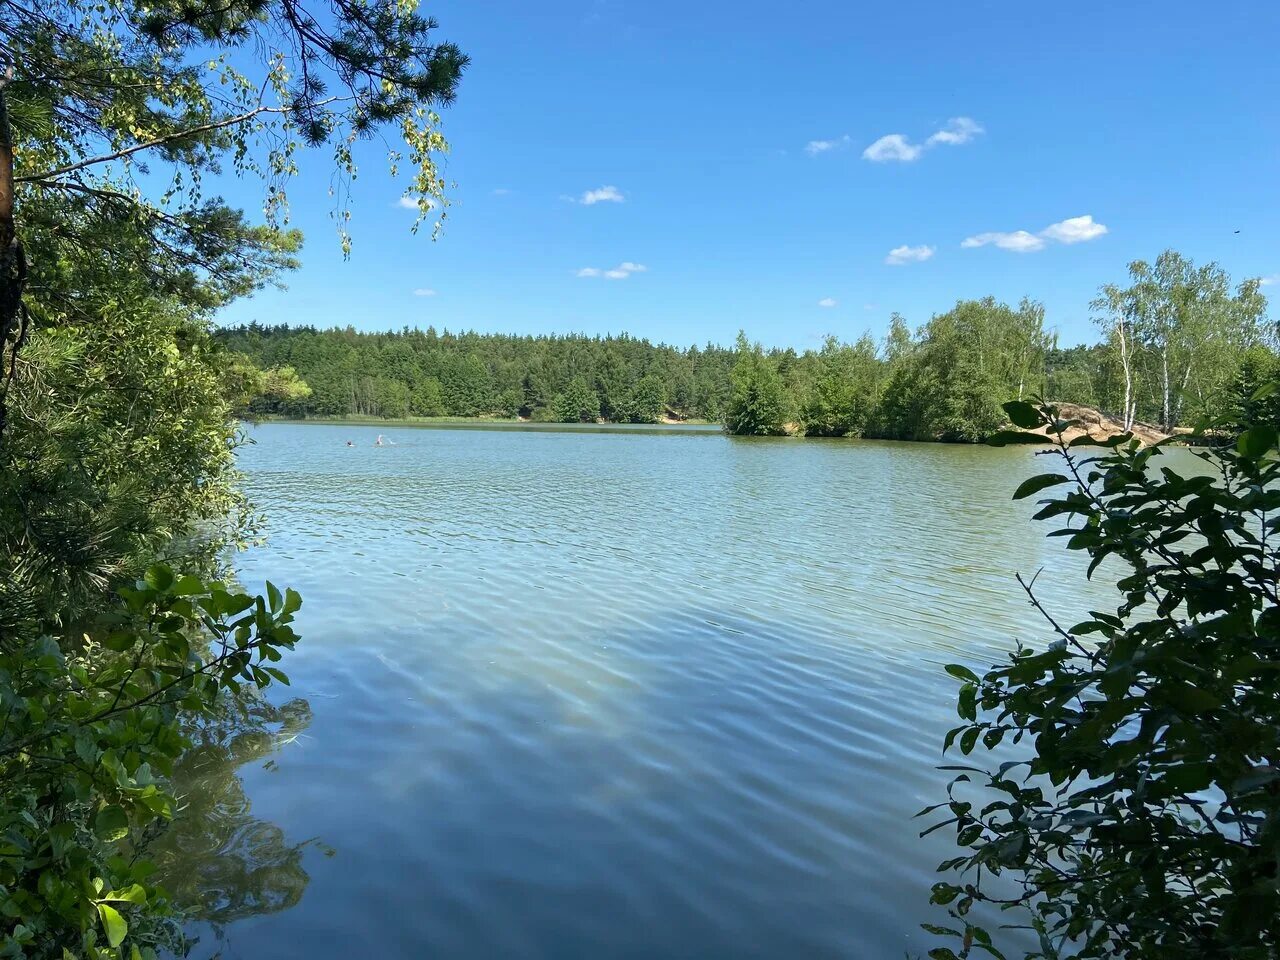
1157,120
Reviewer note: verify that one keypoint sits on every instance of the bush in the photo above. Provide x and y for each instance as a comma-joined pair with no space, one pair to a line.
1141,819
90,736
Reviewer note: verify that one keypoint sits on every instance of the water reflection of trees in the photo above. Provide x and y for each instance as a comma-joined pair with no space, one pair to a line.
218,862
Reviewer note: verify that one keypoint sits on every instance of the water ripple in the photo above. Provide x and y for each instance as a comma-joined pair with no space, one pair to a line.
582,694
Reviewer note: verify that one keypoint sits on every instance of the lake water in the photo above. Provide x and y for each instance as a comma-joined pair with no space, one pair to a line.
609,694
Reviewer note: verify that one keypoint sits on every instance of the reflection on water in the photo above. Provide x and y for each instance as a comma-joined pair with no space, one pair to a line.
584,694
219,862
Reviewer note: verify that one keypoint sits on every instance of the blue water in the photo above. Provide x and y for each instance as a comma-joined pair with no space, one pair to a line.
580,694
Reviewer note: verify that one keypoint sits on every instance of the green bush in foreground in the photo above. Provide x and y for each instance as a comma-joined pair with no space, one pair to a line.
89,735
1141,818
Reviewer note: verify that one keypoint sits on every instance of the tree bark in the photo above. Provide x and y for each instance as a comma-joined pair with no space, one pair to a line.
1165,412
13,263
1127,409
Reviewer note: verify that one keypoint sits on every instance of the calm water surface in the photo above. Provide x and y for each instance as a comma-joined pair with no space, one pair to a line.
629,694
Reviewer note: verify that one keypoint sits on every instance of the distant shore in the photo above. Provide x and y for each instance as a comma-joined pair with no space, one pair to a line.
1098,425
513,424
361,420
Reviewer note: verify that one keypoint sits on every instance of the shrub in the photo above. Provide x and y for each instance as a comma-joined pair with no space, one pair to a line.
90,735
1141,816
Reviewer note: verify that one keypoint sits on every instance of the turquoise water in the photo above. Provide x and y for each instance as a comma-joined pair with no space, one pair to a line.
621,694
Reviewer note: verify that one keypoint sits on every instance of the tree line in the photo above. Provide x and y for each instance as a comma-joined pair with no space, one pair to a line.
1175,342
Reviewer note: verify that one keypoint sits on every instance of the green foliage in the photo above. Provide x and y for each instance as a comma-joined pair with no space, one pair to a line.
578,403
949,385
116,435
757,404
1252,398
1131,800
487,375
648,400
945,383
1176,337
129,95
427,398
119,446
91,735
844,392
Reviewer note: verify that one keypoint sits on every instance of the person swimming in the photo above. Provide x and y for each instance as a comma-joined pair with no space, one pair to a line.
378,442
350,444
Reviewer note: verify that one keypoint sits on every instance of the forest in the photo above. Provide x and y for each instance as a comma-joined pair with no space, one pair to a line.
1173,343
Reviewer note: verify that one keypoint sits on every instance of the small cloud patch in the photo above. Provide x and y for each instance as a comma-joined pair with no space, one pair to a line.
815,147
905,254
620,272
1019,241
896,147
589,198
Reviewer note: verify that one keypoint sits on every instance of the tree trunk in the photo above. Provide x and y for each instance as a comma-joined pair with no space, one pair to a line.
1127,408
1177,401
13,262
1165,412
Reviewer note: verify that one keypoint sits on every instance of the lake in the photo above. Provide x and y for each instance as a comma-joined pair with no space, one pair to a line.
571,693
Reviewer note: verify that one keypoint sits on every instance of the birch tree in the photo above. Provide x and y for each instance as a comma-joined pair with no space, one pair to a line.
1178,332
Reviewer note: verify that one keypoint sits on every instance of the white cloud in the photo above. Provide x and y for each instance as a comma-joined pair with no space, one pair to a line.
1019,241
894,146
620,272
1071,230
1074,230
815,147
827,302
424,292
906,254
1268,281
411,203
608,194
959,130
500,191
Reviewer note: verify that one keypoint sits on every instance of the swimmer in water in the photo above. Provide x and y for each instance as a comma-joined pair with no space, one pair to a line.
378,442
350,444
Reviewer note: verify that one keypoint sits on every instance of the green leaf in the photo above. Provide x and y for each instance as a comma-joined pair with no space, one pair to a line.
1264,391
188,586
159,577
113,924
961,673
1260,777
111,824
1038,483
1190,699
134,893
1023,414
120,640
1256,441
